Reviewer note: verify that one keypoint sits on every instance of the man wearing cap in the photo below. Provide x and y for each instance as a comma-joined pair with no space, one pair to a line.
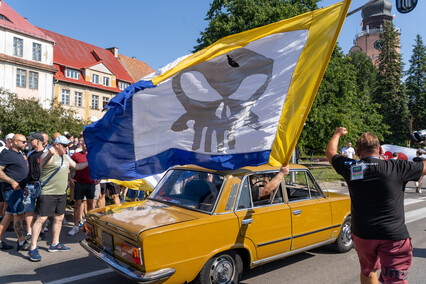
13,173
33,158
53,195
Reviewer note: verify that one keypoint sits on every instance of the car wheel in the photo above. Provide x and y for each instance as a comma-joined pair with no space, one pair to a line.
344,242
223,268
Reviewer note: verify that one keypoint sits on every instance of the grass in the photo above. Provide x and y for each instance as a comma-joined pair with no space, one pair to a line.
325,174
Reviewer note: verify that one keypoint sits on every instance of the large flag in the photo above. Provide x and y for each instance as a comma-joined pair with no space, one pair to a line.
240,102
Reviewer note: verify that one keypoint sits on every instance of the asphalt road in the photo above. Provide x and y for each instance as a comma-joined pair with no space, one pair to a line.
321,265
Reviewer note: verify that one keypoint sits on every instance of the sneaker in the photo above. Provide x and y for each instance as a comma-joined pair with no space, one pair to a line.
419,190
73,231
34,255
25,246
4,246
58,247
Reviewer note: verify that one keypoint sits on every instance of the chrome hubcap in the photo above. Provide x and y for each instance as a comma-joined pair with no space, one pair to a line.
346,234
222,270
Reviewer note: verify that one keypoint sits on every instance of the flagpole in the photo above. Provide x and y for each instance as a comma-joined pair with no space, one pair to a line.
360,8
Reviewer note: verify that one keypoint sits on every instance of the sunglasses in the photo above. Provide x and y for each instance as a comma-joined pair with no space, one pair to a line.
64,145
22,141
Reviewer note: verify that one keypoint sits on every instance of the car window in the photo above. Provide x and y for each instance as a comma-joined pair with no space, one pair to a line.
244,200
251,188
300,185
193,189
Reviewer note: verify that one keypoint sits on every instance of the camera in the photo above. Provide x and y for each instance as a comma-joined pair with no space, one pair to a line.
418,136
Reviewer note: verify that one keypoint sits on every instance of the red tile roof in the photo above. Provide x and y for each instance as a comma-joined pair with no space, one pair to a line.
79,55
136,68
19,24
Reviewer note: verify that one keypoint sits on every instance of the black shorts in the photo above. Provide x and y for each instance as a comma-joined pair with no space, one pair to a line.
83,189
49,205
112,189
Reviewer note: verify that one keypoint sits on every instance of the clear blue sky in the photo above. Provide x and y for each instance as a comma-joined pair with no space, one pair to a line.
157,32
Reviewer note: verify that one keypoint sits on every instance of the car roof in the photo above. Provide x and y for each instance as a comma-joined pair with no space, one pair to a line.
241,171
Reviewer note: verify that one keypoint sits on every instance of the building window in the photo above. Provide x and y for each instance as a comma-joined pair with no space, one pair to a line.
123,85
65,97
78,99
95,78
21,78
3,17
95,102
33,80
73,74
106,81
105,101
36,51
18,45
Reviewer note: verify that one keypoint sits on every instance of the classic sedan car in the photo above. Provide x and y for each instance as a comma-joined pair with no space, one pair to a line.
203,226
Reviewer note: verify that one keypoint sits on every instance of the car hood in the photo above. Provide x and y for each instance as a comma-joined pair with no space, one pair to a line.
135,217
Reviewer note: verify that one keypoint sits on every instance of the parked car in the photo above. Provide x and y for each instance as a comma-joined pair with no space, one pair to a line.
203,225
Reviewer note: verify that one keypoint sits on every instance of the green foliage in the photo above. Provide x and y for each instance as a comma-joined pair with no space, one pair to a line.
227,17
27,115
342,101
416,86
389,93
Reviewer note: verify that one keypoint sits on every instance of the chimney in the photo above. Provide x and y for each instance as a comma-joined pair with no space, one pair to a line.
114,51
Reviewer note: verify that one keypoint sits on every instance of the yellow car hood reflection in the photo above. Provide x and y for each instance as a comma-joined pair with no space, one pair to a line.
139,216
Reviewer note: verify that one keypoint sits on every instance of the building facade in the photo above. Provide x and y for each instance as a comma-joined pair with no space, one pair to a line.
374,18
38,63
26,58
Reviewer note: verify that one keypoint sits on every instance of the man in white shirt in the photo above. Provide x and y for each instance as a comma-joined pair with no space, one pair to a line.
348,151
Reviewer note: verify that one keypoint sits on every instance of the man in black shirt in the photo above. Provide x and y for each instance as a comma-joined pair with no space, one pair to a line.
14,172
377,190
36,141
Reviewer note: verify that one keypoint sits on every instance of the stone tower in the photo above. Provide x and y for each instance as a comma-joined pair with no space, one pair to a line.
374,17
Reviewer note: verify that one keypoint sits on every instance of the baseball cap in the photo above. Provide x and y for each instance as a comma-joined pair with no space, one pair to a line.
37,136
62,140
10,135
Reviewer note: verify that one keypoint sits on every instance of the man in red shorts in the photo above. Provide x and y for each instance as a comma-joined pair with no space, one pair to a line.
377,188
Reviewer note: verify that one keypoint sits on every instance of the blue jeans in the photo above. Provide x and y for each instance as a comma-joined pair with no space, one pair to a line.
14,200
29,200
135,193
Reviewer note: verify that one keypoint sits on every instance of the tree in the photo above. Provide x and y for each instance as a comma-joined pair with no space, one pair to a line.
341,100
227,17
415,85
27,115
389,93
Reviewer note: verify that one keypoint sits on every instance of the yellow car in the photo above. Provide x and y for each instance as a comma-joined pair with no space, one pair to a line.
204,226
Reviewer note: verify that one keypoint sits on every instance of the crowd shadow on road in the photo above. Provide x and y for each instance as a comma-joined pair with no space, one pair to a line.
266,268
419,252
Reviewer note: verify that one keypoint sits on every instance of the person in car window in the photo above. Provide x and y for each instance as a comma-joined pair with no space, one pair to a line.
263,188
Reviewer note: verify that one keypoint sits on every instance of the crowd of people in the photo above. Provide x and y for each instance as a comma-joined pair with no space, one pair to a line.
59,167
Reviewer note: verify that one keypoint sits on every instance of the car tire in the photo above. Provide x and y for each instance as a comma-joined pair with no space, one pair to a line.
223,268
344,241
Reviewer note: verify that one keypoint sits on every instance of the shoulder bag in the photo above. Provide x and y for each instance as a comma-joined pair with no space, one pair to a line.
38,185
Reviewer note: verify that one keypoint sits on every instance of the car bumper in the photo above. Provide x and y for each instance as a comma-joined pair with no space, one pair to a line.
125,270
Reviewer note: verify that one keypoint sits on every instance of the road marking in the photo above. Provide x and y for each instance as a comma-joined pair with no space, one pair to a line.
415,215
81,276
409,201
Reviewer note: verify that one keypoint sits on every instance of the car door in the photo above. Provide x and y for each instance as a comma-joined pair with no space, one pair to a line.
310,210
267,223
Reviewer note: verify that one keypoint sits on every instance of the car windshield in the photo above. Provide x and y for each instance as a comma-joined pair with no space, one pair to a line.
193,189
